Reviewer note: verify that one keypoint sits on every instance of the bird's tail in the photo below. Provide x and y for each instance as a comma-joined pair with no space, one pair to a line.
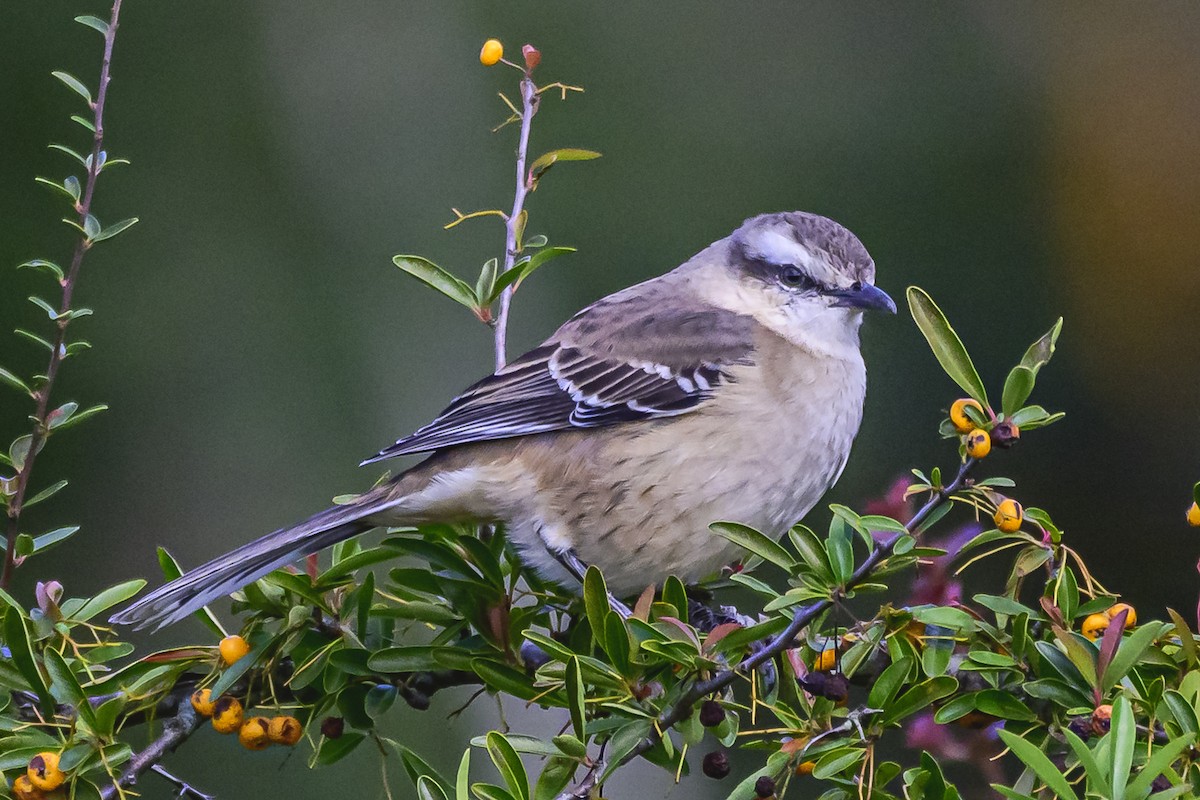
228,573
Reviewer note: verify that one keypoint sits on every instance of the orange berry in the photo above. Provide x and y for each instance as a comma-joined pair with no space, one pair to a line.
825,661
1193,516
23,789
253,734
491,53
44,773
1101,719
232,648
227,715
285,730
1009,515
958,414
806,768
979,443
202,701
1130,616
1094,626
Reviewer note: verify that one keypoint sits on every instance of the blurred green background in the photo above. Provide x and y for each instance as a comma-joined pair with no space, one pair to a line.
255,342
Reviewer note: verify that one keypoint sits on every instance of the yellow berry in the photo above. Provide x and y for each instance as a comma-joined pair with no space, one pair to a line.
285,730
227,715
1094,626
491,53
1130,616
1193,516
44,773
1009,515
23,789
958,414
979,443
806,768
825,661
253,734
202,701
232,648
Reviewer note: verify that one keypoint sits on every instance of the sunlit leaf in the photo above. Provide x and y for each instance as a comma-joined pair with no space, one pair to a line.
437,278
946,346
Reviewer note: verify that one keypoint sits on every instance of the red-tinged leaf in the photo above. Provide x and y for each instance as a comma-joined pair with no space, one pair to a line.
312,567
1053,612
641,609
1111,640
718,633
683,626
179,654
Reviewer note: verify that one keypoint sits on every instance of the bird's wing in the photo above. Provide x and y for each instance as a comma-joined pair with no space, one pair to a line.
627,357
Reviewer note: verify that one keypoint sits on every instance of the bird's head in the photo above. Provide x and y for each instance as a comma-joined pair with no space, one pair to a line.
804,276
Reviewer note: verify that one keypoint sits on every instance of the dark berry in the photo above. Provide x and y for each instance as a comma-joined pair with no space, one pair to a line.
716,764
332,727
765,786
711,714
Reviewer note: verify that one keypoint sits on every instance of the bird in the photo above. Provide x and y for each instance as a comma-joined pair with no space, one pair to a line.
728,389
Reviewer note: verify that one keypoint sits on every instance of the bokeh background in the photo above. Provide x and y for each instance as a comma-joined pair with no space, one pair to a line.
254,341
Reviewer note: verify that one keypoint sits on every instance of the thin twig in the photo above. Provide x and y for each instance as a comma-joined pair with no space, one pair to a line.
803,616
529,107
175,731
69,282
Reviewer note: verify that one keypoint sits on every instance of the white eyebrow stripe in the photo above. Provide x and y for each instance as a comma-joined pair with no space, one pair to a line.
776,248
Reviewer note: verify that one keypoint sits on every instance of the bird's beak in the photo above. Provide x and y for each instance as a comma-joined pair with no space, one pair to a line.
864,295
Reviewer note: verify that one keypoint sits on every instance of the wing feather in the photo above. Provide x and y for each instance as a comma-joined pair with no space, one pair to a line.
628,357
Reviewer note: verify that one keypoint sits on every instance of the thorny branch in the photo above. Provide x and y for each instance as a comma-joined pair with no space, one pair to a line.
803,616
515,221
69,281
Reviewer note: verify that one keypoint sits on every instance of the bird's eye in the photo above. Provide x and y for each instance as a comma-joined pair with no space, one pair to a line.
795,278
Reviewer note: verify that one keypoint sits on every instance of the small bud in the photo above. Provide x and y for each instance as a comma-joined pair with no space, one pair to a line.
532,57
716,764
765,786
711,714
491,53
332,727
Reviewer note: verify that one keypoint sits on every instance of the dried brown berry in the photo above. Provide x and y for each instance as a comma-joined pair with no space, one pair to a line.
332,727
765,786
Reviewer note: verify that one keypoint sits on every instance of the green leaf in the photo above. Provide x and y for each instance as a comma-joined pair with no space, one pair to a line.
65,687
46,494
93,22
573,683
410,658
918,697
91,227
462,784
946,346
487,280
62,148
1097,776
957,708
888,684
840,547
812,551
48,540
1017,388
945,617
1004,705
1123,735
520,271
1186,640
757,543
545,161
114,229
1183,712
415,766
114,595
1037,761
595,601
15,382
555,776
171,570
428,789
509,764
45,266
437,278
334,750
74,84
1157,764
20,647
